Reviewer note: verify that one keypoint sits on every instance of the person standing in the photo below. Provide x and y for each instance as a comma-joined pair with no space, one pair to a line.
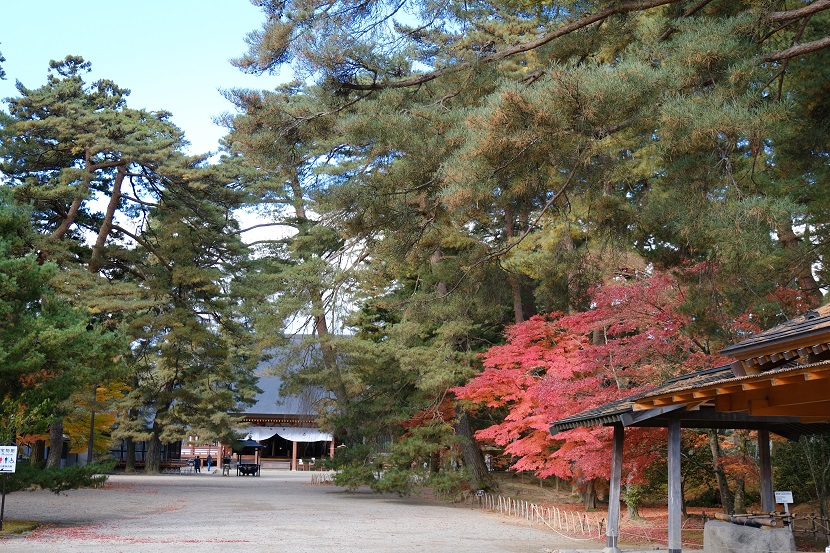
197,464
208,462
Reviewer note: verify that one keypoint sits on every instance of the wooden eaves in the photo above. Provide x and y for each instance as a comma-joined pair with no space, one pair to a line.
693,400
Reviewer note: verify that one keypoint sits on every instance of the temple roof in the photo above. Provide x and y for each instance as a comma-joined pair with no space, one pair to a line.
270,402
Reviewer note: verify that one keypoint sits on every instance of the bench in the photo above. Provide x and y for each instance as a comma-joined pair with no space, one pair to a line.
175,466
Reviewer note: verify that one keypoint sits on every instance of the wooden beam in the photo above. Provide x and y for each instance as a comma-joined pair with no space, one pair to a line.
693,405
763,360
756,385
675,490
682,398
612,532
640,415
738,368
816,374
800,394
816,412
788,379
662,401
767,496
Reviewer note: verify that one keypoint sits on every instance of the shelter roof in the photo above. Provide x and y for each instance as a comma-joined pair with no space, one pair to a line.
675,399
612,413
801,336
794,390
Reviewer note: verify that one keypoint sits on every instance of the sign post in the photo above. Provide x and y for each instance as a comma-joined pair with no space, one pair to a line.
785,498
8,464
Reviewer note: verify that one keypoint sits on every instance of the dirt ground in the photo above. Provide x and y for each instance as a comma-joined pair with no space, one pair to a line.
209,512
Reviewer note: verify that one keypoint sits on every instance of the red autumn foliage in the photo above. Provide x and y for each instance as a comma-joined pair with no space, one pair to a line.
558,365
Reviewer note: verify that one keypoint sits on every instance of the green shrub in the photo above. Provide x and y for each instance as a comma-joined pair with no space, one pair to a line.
59,479
395,481
353,476
449,484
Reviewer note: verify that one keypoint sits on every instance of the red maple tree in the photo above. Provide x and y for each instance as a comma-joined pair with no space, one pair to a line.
558,365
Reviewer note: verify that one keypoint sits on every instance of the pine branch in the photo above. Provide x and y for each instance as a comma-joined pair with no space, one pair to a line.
585,21
799,50
146,245
810,9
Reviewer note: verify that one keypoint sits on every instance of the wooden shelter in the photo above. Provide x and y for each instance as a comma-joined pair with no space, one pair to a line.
285,424
779,382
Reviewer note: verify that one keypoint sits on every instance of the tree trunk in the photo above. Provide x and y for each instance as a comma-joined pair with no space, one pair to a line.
152,459
129,462
723,485
97,259
480,478
321,327
589,496
739,437
740,495
804,276
441,288
632,502
38,450
55,444
513,280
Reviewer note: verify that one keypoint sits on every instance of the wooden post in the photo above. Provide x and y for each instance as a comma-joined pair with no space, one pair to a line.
293,455
612,532
675,499
767,496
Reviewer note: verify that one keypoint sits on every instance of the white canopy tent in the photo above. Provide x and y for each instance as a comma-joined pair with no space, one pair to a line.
293,434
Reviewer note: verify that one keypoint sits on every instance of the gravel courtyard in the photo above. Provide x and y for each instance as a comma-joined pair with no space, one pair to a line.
279,510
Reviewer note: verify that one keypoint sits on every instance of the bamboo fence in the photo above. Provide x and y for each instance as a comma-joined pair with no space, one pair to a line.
589,526
811,526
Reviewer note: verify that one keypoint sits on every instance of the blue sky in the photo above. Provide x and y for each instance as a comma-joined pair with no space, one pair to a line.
172,54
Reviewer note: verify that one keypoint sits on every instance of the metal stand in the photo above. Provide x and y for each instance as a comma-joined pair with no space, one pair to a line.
3,502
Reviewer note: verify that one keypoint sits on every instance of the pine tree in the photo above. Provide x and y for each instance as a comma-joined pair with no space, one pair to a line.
164,263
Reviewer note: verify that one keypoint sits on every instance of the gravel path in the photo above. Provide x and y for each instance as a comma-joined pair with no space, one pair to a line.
279,510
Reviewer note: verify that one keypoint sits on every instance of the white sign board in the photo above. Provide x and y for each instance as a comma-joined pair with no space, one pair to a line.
8,458
784,497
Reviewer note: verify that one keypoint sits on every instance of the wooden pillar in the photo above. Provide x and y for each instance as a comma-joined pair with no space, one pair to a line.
331,448
675,499
293,455
767,496
612,532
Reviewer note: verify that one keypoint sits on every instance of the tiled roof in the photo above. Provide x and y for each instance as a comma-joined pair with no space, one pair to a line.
270,401
725,380
811,324
611,413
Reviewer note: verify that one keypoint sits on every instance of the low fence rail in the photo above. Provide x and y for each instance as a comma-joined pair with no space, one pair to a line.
811,526
590,527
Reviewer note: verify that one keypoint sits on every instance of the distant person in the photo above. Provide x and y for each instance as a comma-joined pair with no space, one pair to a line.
208,462
197,464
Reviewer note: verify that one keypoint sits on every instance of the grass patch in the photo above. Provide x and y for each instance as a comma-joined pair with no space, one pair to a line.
11,527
